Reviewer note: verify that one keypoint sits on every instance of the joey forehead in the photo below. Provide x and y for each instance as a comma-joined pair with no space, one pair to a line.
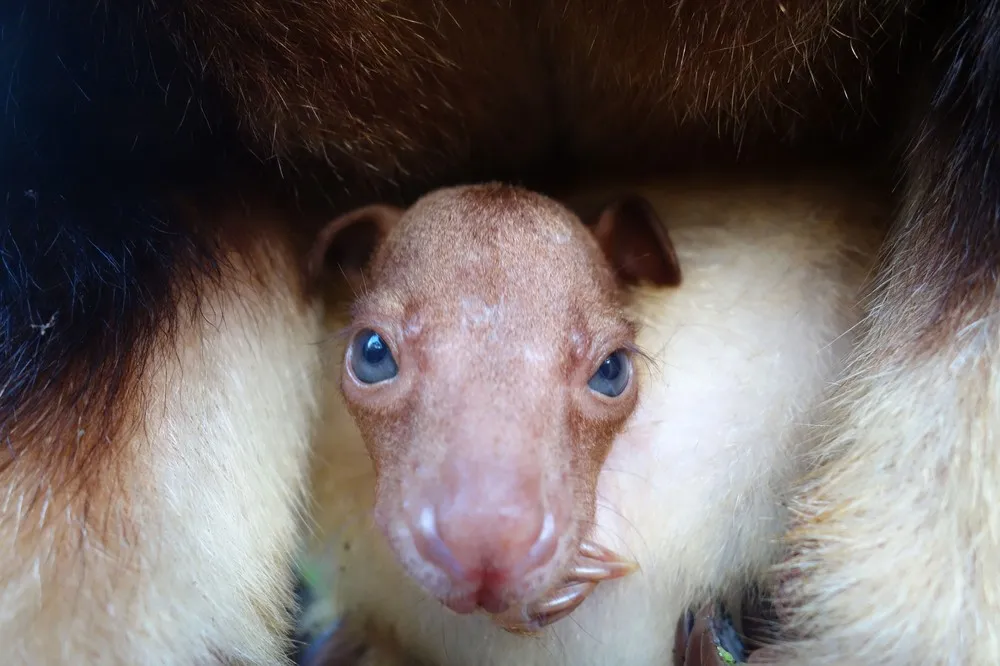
493,255
497,239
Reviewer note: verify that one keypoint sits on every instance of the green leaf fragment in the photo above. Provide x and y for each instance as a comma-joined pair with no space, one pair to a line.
311,576
725,656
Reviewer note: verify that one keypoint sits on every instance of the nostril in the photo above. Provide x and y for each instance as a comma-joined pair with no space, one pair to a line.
486,550
545,544
432,547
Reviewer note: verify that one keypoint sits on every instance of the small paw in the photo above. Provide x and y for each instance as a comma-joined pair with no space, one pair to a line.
594,564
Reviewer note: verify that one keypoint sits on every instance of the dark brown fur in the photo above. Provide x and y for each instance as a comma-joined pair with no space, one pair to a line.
508,82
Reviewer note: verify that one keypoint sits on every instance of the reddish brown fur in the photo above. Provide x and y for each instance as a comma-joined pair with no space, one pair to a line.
673,73
57,459
355,82
498,306
506,82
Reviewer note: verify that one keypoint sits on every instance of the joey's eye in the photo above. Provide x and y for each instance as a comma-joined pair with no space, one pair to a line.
371,359
612,376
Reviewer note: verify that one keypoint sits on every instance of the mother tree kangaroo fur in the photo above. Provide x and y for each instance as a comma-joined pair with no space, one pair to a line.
163,161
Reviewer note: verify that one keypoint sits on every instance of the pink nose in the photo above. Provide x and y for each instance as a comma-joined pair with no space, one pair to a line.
485,543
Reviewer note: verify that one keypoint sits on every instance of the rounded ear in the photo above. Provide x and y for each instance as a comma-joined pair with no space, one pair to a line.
346,244
636,243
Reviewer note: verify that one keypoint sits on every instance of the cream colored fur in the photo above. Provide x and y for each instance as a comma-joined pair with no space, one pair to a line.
187,554
744,351
903,529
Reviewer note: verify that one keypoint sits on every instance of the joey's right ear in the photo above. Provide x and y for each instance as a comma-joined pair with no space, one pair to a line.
344,246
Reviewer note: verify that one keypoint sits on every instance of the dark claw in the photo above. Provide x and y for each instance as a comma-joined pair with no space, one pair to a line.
595,565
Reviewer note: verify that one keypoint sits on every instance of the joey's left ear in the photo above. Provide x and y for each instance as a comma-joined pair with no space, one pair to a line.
636,243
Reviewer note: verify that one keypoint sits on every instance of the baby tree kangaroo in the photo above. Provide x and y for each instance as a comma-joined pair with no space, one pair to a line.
489,368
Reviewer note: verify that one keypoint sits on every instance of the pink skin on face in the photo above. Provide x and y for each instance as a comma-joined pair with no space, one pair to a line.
489,371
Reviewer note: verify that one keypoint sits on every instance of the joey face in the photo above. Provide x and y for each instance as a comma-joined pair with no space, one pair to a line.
489,367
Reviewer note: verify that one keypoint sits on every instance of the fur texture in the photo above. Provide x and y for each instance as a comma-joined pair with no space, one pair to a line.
112,110
508,82
899,536
177,552
742,353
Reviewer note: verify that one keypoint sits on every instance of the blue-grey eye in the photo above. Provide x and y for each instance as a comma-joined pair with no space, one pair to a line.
371,358
612,376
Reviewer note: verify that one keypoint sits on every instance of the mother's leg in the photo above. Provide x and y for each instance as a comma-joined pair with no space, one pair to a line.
898,553
162,530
